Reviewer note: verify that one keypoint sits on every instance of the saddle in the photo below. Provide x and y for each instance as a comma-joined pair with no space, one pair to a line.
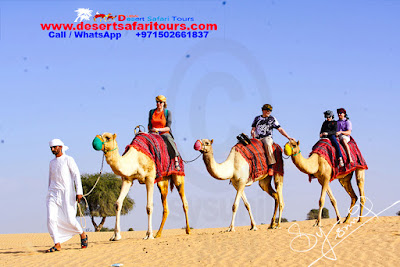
253,152
325,149
153,146
243,139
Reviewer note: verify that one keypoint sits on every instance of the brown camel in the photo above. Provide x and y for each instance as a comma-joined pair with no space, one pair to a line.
320,168
237,170
135,165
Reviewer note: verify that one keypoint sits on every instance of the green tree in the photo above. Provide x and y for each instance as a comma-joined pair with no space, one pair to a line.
101,201
282,220
398,213
313,214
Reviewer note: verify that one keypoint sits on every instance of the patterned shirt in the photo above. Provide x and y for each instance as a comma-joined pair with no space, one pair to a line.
264,126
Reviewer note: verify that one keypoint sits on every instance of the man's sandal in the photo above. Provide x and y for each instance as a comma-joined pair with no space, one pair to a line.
84,242
53,249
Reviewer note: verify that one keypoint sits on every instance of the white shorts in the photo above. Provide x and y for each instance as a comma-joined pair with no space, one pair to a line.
346,138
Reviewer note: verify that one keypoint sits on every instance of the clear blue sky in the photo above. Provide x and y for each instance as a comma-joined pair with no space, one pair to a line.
303,57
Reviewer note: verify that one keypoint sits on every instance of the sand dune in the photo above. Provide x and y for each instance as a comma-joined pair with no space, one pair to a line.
375,243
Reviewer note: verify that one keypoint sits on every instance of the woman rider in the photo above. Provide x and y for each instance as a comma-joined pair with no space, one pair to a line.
344,128
160,120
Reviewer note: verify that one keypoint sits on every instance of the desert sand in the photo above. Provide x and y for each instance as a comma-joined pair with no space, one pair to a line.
375,242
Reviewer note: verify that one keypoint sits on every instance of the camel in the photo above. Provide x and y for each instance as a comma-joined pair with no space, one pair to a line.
237,170
135,165
320,168
111,17
101,16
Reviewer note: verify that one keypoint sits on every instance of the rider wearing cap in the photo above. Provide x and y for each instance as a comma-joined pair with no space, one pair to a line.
262,127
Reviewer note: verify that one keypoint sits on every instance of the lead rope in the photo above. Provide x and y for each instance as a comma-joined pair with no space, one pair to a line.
85,195
189,161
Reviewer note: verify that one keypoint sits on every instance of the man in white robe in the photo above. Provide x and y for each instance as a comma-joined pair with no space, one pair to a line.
65,189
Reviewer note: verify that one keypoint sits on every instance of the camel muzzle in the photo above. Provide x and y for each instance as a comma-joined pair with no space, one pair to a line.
288,150
98,143
197,145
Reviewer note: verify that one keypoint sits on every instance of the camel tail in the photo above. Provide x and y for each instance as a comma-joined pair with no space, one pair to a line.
171,185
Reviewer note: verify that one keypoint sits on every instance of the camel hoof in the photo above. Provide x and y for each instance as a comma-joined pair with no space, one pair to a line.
231,229
188,231
272,226
317,223
115,237
360,219
158,235
148,236
253,228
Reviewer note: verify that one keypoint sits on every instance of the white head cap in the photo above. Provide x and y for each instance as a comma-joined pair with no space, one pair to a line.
58,142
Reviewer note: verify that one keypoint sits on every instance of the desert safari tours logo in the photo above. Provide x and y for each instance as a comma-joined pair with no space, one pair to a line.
87,24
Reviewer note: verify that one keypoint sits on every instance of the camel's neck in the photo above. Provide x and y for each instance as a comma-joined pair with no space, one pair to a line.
220,171
308,166
124,166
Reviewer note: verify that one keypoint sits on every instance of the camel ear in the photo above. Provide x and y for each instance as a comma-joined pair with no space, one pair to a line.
115,136
298,142
212,140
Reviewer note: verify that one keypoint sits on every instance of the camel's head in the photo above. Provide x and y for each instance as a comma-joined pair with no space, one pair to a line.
105,142
292,148
203,145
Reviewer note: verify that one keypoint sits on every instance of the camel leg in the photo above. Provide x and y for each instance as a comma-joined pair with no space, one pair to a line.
126,185
360,176
334,203
149,207
179,182
346,183
247,205
163,187
278,180
324,181
239,189
265,185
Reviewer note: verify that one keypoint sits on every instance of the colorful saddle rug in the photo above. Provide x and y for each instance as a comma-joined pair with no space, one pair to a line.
254,154
325,149
153,146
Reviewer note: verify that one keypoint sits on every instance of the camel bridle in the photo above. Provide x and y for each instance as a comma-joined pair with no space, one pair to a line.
293,150
202,146
103,142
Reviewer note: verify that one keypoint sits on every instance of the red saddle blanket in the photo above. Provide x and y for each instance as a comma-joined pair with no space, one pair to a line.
254,154
154,146
325,149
